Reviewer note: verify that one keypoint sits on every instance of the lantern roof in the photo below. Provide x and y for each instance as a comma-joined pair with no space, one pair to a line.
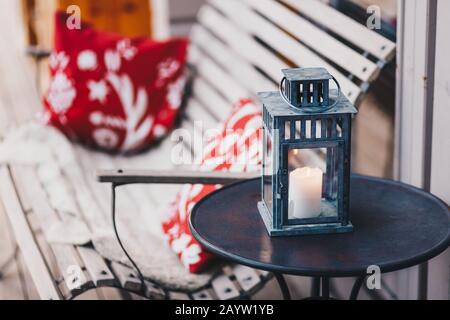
278,107
307,74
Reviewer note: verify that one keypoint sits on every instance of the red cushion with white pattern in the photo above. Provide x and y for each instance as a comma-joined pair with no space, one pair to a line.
236,148
111,92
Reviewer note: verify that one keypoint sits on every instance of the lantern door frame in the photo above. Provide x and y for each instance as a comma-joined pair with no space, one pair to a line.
283,178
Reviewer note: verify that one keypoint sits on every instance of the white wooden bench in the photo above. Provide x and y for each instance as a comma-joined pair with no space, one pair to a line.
238,48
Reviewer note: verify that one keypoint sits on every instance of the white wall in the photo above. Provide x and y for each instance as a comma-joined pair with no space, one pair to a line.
440,174
440,159
423,117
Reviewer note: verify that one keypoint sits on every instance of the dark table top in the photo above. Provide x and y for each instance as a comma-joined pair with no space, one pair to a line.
396,226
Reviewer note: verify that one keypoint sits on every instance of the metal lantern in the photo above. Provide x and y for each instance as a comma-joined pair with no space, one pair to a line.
307,146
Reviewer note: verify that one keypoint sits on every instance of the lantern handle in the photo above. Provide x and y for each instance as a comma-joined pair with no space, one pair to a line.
311,109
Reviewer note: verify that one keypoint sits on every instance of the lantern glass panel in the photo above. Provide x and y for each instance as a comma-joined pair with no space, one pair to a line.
268,170
313,187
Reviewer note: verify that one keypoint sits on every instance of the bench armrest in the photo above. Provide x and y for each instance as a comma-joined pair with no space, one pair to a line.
124,177
38,53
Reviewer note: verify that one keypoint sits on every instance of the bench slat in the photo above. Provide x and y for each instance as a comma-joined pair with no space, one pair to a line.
153,292
207,96
193,145
124,201
222,81
40,272
159,158
102,194
130,281
242,43
20,185
90,163
131,218
196,147
257,55
247,278
224,288
203,295
178,296
69,266
127,277
133,202
151,197
97,268
89,208
281,42
65,255
346,27
197,112
305,31
99,192
263,273
241,71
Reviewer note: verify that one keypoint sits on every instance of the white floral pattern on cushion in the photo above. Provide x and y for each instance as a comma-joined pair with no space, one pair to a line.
98,90
235,148
61,94
175,93
58,61
87,60
112,60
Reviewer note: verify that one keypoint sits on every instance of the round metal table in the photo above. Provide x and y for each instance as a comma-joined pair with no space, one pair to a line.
396,226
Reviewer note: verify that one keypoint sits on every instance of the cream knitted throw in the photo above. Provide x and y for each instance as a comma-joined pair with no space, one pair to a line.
54,158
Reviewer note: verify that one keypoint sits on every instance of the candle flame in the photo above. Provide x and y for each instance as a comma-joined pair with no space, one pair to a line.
309,172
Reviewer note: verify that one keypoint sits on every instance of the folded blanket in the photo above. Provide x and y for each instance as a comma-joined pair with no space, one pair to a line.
54,158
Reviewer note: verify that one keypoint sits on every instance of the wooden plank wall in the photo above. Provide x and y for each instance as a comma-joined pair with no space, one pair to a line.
183,14
127,17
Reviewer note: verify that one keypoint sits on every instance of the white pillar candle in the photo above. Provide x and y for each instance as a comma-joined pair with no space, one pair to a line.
305,193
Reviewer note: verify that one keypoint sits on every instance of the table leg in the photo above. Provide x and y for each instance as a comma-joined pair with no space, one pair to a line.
283,286
320,288
325,288
315,287
357,287
423,281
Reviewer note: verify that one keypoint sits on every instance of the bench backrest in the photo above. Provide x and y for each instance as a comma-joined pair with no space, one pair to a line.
240,46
